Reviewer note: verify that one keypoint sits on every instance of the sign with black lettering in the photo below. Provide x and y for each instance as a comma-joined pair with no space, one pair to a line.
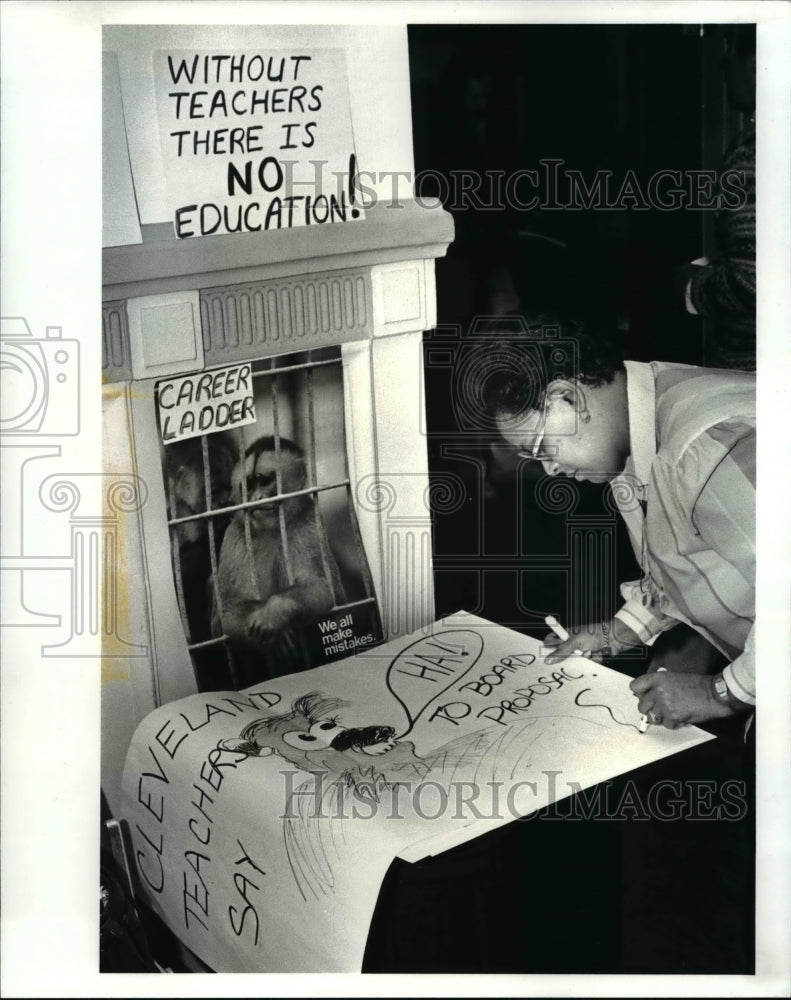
206,402
255,141
264,821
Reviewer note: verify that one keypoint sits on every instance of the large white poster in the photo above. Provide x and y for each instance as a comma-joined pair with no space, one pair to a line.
264,821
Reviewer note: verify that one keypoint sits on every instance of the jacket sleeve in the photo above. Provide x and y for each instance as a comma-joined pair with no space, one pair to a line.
740,674
724,516
641,610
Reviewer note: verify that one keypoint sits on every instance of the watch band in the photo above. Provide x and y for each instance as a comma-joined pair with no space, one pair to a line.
723,695
606,649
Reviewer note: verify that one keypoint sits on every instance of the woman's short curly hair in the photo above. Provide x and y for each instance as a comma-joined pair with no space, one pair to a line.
521,367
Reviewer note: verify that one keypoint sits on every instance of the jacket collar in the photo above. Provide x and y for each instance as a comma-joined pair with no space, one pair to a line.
641,399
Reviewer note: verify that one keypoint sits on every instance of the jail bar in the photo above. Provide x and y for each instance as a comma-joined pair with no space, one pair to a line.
313,480
245,505
175,555
281,514
258,503
262,373
248,541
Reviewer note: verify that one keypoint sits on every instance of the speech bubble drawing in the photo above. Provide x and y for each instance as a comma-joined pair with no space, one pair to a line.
426,668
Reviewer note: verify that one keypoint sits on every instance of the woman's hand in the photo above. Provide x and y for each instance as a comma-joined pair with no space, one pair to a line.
673,700
596,642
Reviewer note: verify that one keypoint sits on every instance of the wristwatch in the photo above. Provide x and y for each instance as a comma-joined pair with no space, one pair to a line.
723,695
606,651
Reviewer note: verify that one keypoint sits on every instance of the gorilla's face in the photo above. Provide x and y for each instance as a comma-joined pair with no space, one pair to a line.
260,479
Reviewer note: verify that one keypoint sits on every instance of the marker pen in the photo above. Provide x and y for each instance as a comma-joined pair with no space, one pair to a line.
644,723
557,628
560,632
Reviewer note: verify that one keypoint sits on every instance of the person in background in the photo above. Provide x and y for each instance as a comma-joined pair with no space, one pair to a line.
677,445
723,289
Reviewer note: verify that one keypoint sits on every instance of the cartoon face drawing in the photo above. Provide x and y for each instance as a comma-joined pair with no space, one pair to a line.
344,760
311,738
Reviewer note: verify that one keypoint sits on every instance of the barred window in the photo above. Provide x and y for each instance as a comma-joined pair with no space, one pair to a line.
268,564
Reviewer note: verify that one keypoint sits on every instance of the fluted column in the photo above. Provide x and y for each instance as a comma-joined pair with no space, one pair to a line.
99,605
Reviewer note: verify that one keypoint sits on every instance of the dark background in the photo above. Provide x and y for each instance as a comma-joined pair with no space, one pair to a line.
586,895
501,98
624,97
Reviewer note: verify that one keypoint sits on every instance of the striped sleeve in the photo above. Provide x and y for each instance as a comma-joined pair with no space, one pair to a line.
740,675
724,516
641,611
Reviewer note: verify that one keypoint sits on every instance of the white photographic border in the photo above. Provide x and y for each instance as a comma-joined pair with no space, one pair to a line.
51,274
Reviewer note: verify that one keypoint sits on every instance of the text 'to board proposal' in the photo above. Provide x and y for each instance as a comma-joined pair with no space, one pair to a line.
255,141
263,821
205,402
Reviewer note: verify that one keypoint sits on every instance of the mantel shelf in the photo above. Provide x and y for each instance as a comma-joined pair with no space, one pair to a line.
161,263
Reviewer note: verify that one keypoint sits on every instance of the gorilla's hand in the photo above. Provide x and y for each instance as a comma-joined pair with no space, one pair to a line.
268,621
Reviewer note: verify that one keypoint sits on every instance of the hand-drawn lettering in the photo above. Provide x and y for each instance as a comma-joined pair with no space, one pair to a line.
268,698
477,687
445,658
158,848
246,859
142,869
425,670
243,885
451,712
160,775
242,882
486,682
195,833
147,798
238,703
518,659
165,743
211,775
497,712
211,710
204,796
200,892
188,911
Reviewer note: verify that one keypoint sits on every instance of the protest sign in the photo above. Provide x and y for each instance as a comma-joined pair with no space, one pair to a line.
255,141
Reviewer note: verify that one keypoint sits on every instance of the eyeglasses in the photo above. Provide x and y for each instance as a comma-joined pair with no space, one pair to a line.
534,454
